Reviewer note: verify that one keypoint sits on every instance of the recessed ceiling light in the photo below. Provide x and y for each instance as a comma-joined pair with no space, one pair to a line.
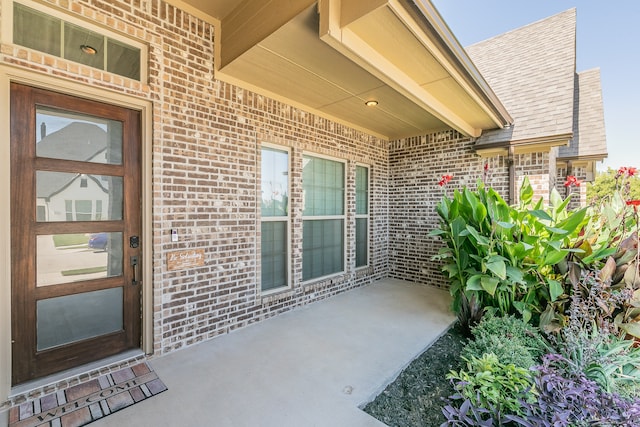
371,103
89,50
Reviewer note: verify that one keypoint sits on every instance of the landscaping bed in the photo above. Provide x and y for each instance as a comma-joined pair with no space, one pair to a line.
415,398
550,298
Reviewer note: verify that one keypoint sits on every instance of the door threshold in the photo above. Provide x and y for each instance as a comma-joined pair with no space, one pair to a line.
80,374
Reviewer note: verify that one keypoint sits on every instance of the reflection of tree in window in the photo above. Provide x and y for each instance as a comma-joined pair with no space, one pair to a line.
323,217
275,218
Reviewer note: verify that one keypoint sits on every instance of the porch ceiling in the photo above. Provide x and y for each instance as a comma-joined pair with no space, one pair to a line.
332,56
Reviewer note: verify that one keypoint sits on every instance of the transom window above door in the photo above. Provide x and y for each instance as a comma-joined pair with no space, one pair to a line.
40,29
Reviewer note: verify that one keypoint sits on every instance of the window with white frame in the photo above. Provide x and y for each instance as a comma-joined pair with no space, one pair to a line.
362,216
274,218
323,217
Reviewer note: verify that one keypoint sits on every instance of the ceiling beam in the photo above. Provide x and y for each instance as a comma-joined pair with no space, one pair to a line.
252,21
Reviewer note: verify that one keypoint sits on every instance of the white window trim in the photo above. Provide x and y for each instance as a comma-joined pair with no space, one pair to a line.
366,216
287,218
7,31
344,217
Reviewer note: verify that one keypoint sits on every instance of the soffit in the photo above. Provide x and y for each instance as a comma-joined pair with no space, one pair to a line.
332,57
217,9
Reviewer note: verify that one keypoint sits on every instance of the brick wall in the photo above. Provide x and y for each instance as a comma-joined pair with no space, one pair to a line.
206,140
215,207
205,177
579,194
415,167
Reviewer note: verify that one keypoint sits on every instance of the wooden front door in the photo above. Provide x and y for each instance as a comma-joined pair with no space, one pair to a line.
75,231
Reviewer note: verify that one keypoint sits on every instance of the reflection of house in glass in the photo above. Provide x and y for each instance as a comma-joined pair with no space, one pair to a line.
71,196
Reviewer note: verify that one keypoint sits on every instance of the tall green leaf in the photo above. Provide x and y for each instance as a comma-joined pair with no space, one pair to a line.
489,284
526,191
555,289
497,266
571,224
553,257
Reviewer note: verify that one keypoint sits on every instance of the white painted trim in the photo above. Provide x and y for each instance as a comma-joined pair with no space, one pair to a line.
286,219
10,74
343,217
366,216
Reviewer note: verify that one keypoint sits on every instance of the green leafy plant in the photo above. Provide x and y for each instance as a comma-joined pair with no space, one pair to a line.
511,339
506,255
493,383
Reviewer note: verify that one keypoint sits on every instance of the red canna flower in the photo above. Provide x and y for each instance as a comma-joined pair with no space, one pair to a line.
572,180
445,180
622,171
628,171
634,203
486,167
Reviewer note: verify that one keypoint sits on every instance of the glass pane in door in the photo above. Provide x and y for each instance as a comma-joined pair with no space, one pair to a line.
63,196
70,318
67,135
66,258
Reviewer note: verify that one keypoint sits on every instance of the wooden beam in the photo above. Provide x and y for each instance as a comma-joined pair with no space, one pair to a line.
253,21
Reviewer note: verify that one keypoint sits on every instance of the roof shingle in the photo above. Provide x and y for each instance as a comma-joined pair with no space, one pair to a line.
589,136
532,71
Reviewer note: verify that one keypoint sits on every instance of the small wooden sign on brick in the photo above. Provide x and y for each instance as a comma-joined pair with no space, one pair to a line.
179,260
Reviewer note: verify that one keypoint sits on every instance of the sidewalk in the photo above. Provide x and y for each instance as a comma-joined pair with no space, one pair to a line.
310,367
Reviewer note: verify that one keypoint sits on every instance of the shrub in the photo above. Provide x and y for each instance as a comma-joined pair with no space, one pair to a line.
589,348
571,399
511,339
492,383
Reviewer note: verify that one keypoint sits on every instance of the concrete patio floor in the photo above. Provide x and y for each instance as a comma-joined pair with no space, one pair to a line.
313,366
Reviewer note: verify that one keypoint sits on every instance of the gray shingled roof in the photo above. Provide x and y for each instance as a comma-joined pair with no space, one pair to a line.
589,136
76,141
532,71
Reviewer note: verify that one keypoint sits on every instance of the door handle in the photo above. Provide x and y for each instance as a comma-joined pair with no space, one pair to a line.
134,265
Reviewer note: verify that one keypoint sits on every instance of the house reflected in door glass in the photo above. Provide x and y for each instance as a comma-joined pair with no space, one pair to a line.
66,135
